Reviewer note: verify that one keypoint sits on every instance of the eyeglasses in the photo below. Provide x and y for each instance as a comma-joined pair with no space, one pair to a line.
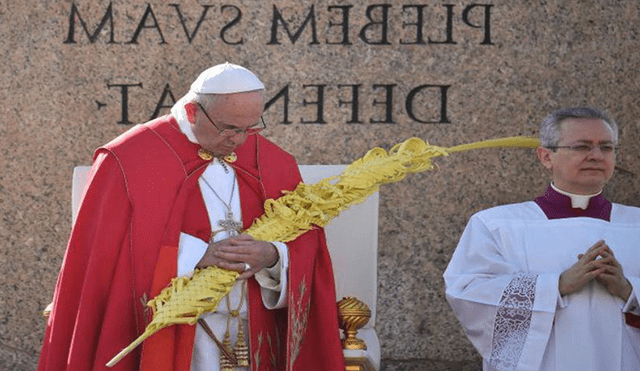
584,148
228,132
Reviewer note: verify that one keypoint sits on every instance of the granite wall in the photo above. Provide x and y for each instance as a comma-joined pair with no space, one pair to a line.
342,77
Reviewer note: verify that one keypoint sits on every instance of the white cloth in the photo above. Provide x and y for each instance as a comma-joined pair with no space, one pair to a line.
577,201
180,114
273,281
502,284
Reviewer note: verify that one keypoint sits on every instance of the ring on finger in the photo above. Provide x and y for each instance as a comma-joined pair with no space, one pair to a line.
246,267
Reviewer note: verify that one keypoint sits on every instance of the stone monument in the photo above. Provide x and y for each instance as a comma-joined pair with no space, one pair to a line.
342,77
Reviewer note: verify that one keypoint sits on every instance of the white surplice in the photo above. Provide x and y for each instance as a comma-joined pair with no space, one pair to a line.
502,284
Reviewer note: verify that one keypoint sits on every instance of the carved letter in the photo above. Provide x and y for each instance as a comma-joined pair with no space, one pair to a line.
285,94
388,103
449,29
355,114
345,24
233,22
124,90
383,22
487,21
108,17
443,104
142,24
319,103
184,25
166,92
277,18
419,23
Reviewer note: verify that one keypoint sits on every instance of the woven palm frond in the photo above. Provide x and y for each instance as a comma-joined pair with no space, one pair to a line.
316,204
184,301
297,212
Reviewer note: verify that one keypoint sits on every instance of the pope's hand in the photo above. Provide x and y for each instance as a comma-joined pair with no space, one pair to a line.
583,271
234,252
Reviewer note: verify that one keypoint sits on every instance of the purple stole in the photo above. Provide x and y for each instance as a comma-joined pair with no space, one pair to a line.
558,206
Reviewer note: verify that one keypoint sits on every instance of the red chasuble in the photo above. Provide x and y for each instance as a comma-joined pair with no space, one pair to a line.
142,193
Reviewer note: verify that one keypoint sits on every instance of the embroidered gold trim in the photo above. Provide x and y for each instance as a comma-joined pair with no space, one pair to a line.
300,314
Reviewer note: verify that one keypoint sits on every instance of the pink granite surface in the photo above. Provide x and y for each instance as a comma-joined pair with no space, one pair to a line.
62,96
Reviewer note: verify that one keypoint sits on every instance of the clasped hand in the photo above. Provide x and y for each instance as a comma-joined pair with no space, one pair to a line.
232,254
600,264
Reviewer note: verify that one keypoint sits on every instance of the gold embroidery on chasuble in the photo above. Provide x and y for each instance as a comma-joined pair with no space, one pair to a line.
273,352
147,314
267,348
256,354
298,318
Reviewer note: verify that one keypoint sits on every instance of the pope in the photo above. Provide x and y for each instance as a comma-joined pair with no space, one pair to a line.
172,195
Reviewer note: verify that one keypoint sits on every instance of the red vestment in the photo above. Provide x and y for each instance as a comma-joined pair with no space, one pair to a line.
142,193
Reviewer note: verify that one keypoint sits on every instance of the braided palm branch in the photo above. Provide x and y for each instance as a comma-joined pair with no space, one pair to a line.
296,212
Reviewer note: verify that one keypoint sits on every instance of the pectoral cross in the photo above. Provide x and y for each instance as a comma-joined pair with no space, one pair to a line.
229,224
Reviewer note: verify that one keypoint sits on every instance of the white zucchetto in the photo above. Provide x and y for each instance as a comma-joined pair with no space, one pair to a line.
226,78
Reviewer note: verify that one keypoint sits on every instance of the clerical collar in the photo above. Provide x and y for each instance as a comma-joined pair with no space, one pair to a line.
557,204
577,201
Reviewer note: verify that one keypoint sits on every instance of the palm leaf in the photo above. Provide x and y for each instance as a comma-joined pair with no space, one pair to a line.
284,219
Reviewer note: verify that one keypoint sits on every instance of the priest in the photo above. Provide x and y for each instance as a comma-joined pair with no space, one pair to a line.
172,195
552,284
